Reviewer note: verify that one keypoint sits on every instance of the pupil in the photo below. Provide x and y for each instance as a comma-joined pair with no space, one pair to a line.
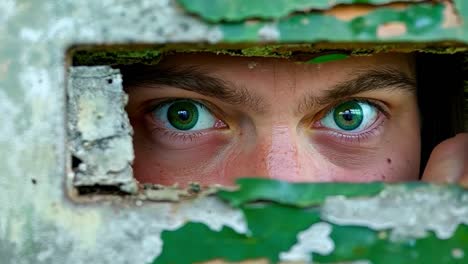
183,115
348,115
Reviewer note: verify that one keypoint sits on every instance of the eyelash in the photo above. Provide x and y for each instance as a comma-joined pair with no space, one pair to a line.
342,137
381,106
383,115
174,134
357,138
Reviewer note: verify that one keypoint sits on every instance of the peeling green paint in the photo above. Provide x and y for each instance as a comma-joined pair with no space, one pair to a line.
420,20
328,58
272,229
354,243
275,224
227,10
299,194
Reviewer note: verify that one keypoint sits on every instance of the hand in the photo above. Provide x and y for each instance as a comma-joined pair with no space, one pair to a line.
448,162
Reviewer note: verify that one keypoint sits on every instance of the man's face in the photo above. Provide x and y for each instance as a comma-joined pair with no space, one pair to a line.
214,118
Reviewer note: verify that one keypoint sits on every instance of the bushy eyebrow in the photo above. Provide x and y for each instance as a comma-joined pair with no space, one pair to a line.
194,79
191,79
360,81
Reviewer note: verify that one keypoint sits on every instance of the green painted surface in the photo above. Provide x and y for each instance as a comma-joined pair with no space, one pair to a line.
461,6
328,58
273,229
228,10
299,194
268,241
241,32
358,243
276,229
422,21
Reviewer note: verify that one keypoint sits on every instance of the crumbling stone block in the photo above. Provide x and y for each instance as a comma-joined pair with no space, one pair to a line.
100,135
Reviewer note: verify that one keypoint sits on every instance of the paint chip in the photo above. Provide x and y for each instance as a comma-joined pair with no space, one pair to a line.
458,253
269,32
451,17
314,239
390,30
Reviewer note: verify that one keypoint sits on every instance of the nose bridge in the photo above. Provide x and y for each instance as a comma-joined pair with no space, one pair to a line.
280,155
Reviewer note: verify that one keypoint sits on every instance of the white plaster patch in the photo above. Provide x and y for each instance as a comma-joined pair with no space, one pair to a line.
140,21
215,214
44,255
60,28
314,239
5,183
139,230
410,214
7,9
99,129
37,79
29,34
9,111
269,32
27,123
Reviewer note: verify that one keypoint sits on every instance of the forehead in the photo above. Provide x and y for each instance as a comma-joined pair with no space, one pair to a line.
235,65
266,74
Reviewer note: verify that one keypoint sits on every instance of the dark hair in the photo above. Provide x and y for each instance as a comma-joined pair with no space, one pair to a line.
440,80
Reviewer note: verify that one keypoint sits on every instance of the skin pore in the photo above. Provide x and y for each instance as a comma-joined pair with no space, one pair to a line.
213,118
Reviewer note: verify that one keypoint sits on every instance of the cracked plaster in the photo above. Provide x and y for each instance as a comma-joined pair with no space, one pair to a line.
39,223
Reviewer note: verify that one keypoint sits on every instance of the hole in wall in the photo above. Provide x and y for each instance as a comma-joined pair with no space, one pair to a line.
101,190
76,162
159,151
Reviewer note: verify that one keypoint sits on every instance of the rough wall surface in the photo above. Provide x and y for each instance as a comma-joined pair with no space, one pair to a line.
39,223
99,132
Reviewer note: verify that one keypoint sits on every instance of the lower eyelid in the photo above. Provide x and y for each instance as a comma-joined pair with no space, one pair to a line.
160,120
174,140
356,138
153,124
158,130
181,135
377,105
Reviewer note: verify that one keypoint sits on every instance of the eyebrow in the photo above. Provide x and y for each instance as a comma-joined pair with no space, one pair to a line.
364,80
191,79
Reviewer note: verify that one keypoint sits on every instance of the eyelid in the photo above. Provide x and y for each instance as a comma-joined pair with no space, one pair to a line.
152,105
381,107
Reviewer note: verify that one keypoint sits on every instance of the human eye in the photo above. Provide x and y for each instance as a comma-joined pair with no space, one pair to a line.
353,119
184,115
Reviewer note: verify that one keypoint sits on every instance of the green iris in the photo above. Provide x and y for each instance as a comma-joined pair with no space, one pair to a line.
348,115
183,115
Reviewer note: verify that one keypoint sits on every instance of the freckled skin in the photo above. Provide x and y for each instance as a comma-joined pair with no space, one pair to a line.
279,143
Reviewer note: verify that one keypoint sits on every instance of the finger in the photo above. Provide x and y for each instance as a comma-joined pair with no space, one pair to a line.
448,162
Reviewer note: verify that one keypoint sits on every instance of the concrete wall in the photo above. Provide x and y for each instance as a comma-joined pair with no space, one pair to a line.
40,220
